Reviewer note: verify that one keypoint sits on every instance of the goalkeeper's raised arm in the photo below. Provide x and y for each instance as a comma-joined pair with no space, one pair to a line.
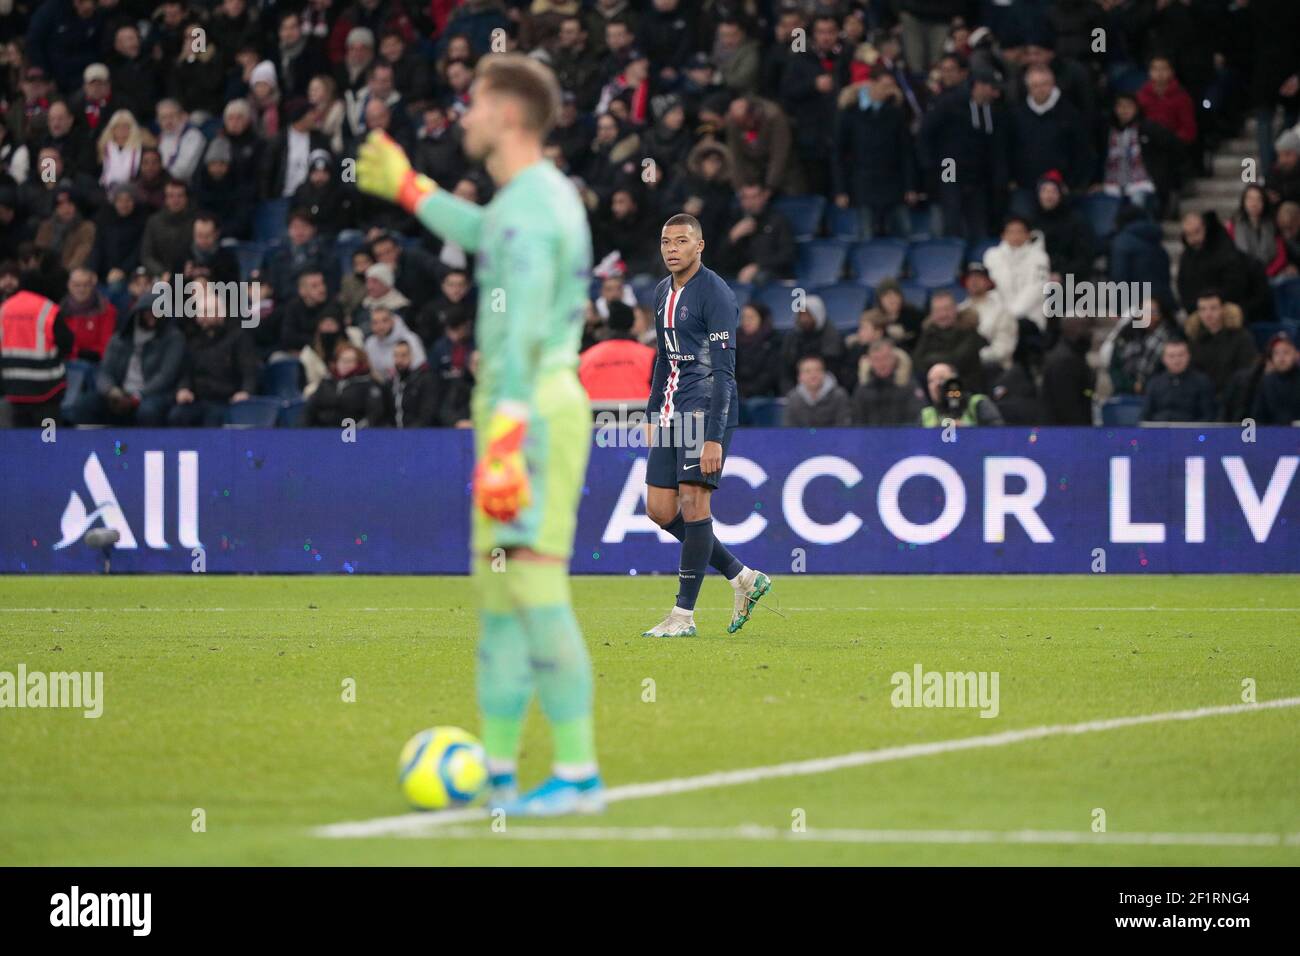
384,171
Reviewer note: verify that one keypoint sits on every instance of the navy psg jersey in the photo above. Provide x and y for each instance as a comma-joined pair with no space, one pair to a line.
695,362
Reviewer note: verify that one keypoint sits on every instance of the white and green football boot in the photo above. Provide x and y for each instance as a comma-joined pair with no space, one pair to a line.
750,586
678,623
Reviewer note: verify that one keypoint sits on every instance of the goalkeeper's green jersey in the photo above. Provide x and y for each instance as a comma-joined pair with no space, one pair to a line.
533,265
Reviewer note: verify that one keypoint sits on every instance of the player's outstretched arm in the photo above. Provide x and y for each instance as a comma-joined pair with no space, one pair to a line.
384,171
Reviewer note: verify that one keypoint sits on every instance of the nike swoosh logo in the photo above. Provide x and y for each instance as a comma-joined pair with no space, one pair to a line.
689,467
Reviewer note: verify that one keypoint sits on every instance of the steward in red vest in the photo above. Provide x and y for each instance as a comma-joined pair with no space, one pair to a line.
33,341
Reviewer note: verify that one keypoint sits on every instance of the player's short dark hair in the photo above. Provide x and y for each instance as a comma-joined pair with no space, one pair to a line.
687,220
1209,294
527,80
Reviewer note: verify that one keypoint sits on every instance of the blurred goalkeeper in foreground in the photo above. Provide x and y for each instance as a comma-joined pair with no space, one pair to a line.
532,422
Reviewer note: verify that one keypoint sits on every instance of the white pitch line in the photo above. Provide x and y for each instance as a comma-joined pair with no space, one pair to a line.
409,823
755,833
914,609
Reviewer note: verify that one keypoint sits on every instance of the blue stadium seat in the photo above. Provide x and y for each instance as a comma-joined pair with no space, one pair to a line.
821,261
921,223
977,249
1100,210
280,379
645,295
875,260
345,261
1121,411
762,412
256,412
1263,331
744,291
1127,79
1286,296
779,300
916,295
843,223
844,303
271,220
935,262
251,255
80,379
637,283
346,243
122,301
292,414
804,213
956,288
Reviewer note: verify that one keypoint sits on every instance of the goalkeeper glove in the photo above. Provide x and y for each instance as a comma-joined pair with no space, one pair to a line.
384,171
501,476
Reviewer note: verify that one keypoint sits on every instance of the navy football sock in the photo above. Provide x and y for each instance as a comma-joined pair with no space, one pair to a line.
720,559
697,543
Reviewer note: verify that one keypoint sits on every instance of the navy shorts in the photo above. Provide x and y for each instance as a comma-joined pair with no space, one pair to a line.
675,455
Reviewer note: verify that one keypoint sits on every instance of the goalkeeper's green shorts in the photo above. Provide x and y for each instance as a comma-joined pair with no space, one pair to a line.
555,450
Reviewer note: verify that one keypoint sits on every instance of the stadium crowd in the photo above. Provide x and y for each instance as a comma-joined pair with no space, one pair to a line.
889,185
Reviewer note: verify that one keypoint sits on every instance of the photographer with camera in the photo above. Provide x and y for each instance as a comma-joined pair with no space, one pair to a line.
949,401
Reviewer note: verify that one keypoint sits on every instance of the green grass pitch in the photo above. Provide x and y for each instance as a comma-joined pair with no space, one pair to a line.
226,695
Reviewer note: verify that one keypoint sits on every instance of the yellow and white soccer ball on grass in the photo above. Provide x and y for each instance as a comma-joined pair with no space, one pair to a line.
442,767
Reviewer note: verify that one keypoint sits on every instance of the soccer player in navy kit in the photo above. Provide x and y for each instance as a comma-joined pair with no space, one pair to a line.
693,410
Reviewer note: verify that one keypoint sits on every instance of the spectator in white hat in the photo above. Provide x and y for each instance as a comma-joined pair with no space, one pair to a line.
381,293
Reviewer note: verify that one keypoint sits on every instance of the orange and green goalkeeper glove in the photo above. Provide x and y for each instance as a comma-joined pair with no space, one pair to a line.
501,475
384,171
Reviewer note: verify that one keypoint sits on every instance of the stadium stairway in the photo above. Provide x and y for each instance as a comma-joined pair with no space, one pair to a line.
1220,192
